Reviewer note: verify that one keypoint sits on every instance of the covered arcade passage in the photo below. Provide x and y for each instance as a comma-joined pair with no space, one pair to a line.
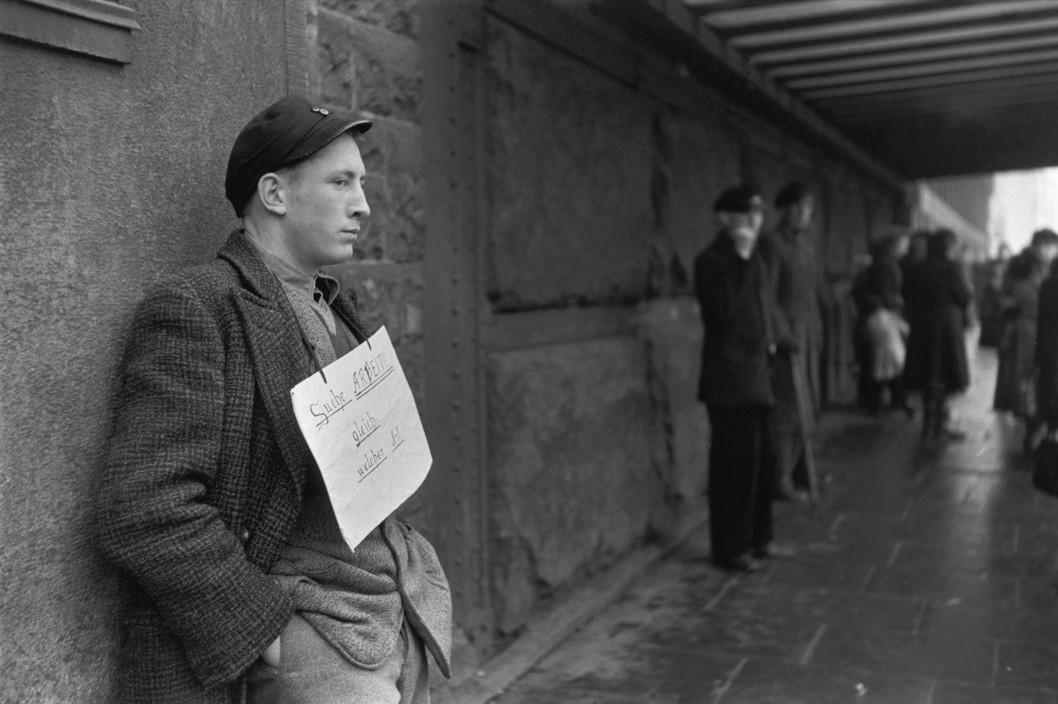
928,574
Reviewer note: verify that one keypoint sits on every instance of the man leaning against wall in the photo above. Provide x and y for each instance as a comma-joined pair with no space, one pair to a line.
789,252
242,588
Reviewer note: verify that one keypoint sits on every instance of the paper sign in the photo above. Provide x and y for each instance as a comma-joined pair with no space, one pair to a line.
364,430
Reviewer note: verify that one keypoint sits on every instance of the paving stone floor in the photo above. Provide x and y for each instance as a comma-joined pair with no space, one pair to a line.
928,574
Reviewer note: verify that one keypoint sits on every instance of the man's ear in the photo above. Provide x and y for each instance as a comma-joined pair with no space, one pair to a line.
271,191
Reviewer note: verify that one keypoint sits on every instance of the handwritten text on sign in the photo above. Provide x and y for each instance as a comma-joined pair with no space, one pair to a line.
364,430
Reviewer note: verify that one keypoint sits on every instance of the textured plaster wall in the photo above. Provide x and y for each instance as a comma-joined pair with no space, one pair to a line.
112,177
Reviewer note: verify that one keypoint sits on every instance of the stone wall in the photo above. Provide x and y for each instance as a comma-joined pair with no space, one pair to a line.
572,484
365,56
597,197
113,177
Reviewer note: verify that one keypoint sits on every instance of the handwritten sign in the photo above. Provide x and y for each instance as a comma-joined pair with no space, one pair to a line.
364,430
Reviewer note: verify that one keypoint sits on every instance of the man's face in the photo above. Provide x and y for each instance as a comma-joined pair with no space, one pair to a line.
1047,252
325,204
902,246
744,225
801,213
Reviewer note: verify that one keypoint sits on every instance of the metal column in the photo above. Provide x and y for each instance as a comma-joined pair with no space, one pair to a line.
454,407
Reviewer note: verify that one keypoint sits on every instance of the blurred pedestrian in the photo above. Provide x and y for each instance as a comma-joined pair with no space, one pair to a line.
936,295
1019,299
737,303
916,251
880,328
989,302
1046,351
790,253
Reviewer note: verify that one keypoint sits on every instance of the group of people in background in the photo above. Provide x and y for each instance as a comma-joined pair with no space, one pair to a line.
1019,317
758,296
915,302
913,306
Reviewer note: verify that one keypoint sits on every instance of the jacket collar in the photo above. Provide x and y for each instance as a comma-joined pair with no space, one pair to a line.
257,277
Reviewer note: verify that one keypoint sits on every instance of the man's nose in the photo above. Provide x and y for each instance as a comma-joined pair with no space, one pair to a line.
360,207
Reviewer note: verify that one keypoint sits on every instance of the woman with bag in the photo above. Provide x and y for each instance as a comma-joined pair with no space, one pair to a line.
880,328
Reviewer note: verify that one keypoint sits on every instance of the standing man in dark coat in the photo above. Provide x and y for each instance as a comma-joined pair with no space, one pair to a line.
737,303
212,506
789,253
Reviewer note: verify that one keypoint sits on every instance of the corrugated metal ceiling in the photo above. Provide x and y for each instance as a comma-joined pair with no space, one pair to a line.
928,88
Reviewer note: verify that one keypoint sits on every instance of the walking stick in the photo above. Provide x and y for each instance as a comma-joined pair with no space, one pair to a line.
804,412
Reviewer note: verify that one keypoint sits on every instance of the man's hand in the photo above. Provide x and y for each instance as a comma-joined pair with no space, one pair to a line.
271,654
744,238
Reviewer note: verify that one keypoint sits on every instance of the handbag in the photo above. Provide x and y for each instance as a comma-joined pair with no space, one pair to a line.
1045,470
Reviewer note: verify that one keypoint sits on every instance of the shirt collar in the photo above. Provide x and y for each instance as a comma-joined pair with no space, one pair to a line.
292,275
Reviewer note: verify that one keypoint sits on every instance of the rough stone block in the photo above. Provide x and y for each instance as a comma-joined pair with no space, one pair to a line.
572,482
366,67
396,229
398,16
697,160
672,331
391,296
569,169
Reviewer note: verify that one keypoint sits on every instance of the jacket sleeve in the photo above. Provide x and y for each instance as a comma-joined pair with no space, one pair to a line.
712,291
157,519
961,289
780,321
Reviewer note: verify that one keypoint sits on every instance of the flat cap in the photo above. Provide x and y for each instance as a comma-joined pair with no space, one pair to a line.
739,199
285,132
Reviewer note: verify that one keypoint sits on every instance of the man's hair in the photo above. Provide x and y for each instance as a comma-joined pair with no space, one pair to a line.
1044,237
791,193
737,199
939,242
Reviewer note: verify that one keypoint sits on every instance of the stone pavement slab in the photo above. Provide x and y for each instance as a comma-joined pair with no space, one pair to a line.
928,574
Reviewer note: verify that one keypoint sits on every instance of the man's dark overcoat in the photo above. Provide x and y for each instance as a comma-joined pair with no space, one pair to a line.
737,301
204,477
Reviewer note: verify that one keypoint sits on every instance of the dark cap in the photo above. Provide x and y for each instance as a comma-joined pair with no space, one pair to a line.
740,199
793,192
285,132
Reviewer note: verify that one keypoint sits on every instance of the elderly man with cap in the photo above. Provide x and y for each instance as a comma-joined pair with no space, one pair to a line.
241,587
737,301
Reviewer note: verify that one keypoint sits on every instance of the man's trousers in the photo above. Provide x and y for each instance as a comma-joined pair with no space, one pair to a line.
312,671
740,480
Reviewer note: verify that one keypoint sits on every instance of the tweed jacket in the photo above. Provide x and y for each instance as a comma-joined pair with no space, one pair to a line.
204,476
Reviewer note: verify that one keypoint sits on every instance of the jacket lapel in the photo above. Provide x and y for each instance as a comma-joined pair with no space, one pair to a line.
345,307
278,355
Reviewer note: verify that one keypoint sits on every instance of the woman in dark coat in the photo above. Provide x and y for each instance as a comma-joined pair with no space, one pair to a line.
936,295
